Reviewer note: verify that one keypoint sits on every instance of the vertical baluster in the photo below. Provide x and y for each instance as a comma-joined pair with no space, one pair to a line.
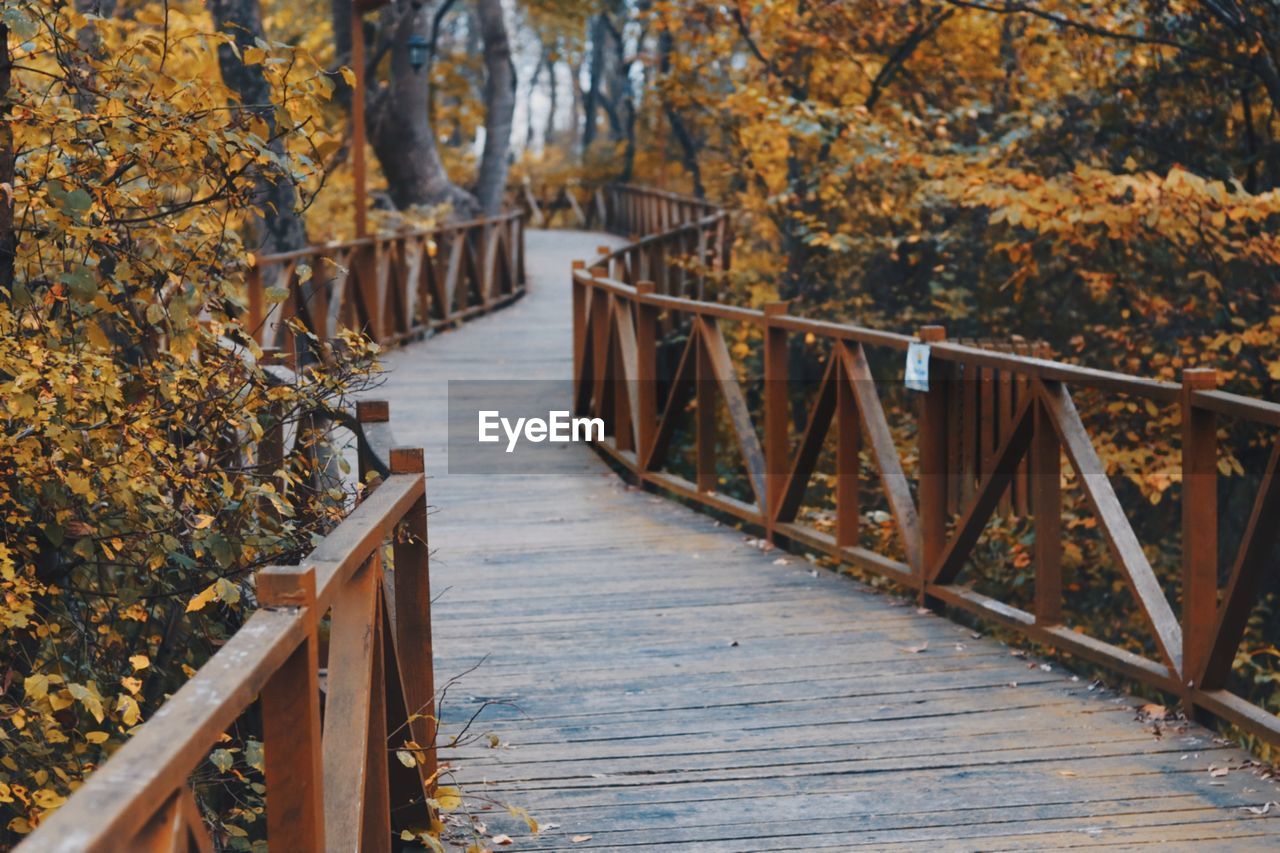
1199,524
579,329
705,417
777,409
933,461
1004,398
1046,506
848,448
646,414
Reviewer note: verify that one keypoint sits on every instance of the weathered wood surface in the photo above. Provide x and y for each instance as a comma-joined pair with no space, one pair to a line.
662,683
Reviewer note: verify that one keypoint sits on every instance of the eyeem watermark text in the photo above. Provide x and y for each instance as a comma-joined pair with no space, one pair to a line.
558,427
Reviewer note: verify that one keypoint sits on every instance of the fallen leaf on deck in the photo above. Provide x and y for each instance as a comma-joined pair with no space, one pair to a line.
1218,772
502,839
1066,772
915,650
1154,712
578,839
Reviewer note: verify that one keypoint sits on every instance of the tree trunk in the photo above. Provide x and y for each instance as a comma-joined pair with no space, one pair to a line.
576,108
276,225
549,135
400,128
592,99
500,106
533,85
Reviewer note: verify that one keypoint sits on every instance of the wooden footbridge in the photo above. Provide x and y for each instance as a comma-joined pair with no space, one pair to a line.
635,673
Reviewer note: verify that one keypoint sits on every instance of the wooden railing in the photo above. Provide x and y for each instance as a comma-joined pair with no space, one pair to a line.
329,784
991,414
391,287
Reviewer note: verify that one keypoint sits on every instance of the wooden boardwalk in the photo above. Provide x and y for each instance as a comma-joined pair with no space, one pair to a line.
661,682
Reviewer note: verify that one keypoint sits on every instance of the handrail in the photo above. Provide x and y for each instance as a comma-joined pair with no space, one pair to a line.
326,788
992,432
394,287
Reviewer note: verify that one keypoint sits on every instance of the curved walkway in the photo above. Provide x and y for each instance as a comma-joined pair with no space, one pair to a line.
662,682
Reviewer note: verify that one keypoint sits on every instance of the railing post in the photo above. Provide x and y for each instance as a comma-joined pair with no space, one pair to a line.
777,411
1199,525
1046,507
579,331
647,374
411,604
848,450
600,346
705,416
932,436
291,718
369,412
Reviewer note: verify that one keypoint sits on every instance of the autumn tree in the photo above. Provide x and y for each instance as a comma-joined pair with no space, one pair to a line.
135,495
397,115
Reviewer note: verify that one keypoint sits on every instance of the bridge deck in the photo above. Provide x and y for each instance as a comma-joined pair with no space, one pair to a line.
671,685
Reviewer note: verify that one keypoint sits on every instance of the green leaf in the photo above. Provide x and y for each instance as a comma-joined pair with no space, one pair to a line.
222,759
253,754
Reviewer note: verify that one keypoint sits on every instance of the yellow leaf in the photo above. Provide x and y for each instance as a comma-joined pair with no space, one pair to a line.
140,661
96,737
47,798
348,75
448,798
202,521
88,696
129,710
36,686
199,601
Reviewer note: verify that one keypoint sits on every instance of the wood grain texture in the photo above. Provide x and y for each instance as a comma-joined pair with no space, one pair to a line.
656,681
